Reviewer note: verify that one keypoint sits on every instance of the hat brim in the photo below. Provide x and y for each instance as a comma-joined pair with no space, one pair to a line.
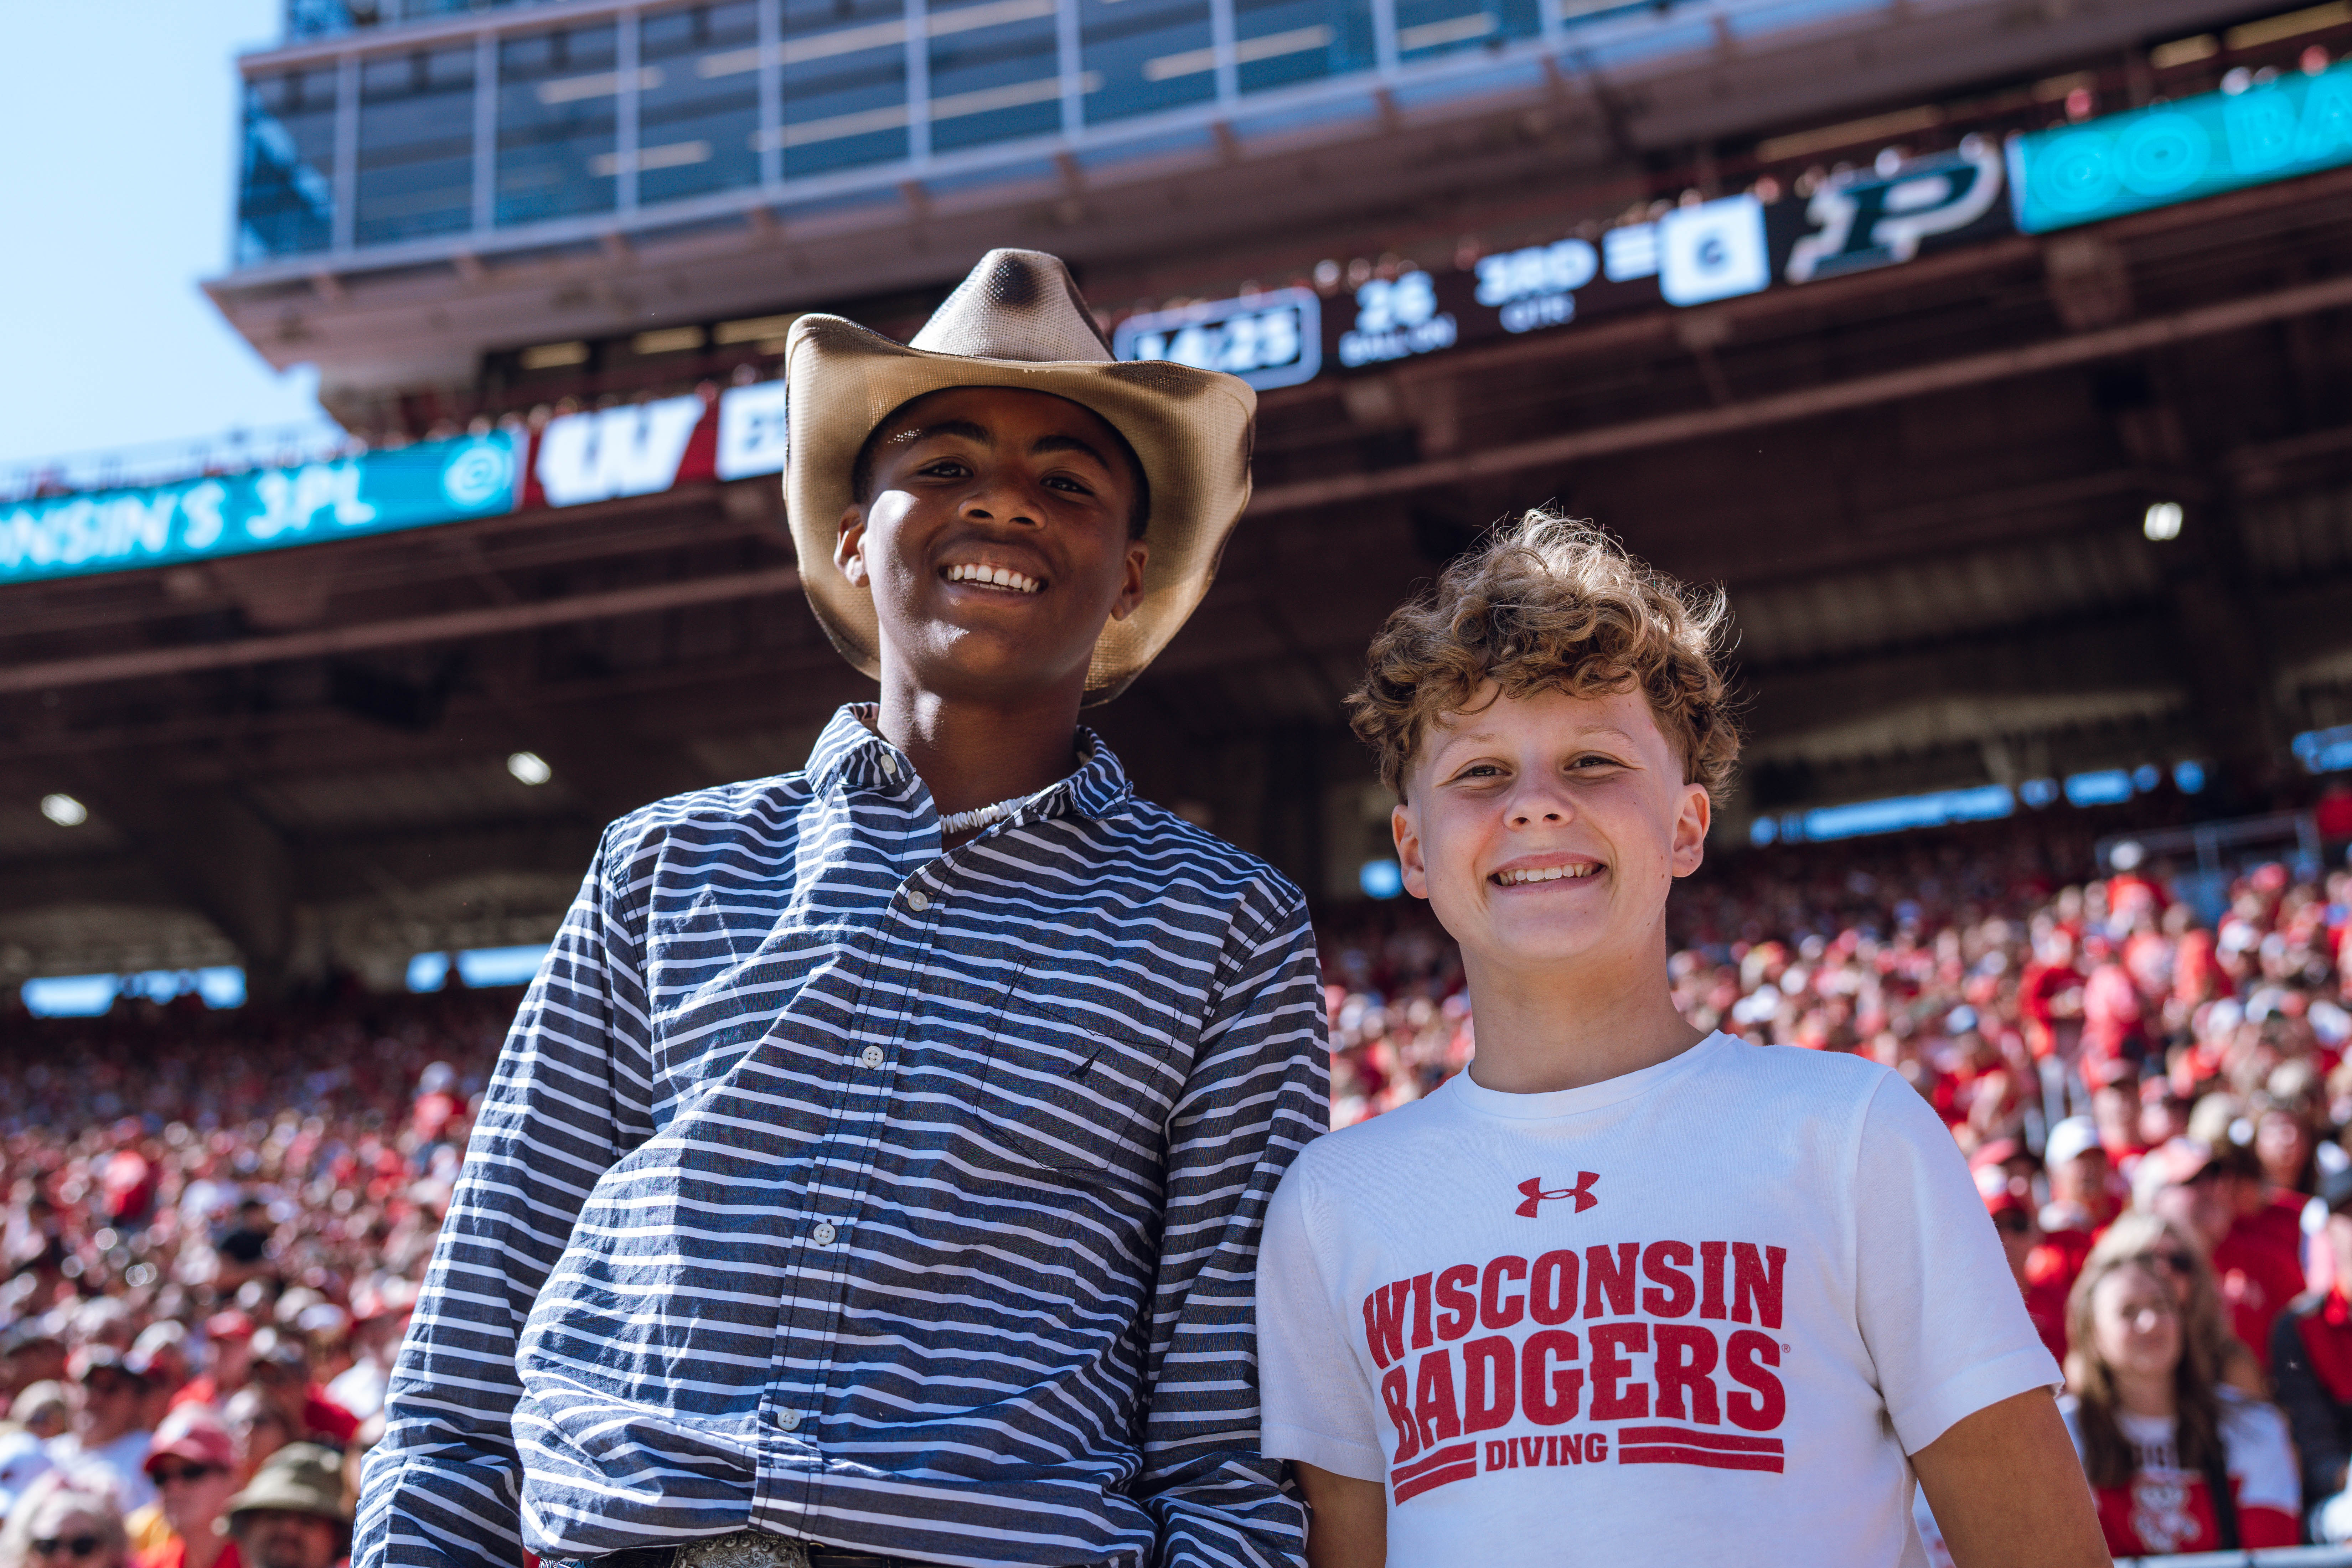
1190,429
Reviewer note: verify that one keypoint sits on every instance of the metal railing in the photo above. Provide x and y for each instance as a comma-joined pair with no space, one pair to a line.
2269,1557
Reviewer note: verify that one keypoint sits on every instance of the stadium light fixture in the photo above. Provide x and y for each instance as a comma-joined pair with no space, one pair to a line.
530,767
64,810
2163,521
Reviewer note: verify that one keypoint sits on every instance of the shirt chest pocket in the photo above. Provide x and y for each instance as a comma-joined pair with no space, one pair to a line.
1082,1085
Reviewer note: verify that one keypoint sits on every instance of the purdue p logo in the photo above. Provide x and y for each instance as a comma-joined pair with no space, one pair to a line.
1532,1190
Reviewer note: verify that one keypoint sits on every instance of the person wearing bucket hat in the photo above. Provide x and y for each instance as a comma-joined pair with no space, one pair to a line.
875,1173
292,1514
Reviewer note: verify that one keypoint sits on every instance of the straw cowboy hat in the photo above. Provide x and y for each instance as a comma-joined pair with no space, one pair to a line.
1019,322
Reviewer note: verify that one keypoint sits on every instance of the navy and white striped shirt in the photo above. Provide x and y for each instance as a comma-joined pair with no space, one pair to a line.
904,1201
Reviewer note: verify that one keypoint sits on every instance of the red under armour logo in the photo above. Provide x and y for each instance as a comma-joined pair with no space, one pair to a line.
1533,1188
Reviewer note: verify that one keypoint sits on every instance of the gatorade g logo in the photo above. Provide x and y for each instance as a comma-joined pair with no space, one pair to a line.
1532,1189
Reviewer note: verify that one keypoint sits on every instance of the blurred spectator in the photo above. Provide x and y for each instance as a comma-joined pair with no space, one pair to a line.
106,1439
2010,1202
24,1459
33,1355
194,1467
44,1410
380,1313
255,1429
2164,1246
2175,1461
2311,1356
281,1372
65,1519
228,1342
292,1516
2191,1185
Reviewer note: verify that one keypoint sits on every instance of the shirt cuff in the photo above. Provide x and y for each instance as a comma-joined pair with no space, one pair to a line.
1944,1408
1340,1455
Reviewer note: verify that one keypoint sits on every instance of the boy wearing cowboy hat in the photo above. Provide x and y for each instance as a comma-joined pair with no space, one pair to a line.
874,1172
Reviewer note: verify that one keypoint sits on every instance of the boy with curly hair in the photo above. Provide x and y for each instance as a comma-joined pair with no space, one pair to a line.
1621,1294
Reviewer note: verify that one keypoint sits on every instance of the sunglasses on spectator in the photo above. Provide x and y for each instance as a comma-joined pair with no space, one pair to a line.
2172,1262
79,1546
188,1474
2015,1224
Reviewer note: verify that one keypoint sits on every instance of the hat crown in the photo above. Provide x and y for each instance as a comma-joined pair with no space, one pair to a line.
1015,305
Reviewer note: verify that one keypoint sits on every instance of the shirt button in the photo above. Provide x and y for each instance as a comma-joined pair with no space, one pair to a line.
918,900
790,1420
889,766
870,1057
824,1233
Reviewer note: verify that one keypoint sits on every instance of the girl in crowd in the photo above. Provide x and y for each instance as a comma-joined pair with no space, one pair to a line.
2177,1460
2166,1247
65,1522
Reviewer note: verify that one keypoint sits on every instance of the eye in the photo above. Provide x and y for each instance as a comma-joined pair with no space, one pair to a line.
945,469
1591,759
1071,483
1479,771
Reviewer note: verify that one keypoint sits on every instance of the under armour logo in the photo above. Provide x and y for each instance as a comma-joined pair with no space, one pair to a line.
1533,1188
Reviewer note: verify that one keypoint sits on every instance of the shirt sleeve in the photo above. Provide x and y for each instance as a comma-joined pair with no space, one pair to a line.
1317,1405
1259,1089
2263,1468
1943,1318
571,1090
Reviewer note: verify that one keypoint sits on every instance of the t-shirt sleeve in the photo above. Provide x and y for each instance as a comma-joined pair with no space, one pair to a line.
1312,1402
2262,1458
1943,1319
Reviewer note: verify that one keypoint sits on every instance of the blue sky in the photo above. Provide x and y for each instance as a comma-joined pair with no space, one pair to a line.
121,118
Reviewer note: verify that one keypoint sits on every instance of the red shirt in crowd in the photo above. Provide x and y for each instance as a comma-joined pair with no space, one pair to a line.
2164,1509
174,1553
2259,1276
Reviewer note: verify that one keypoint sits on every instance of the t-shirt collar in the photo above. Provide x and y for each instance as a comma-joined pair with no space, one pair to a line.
1467,1094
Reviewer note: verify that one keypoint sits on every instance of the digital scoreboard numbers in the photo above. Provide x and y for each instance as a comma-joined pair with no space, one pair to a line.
1268,340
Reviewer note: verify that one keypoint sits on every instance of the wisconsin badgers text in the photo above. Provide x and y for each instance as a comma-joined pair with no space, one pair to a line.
1478,1349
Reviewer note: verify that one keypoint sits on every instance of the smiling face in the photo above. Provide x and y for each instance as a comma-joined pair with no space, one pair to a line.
1548,830
995,542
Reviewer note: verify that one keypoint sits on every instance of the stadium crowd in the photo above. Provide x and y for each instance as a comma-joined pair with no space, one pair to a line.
214,1226
216,1221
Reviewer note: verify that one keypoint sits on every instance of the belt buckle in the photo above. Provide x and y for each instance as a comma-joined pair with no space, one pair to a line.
745,1549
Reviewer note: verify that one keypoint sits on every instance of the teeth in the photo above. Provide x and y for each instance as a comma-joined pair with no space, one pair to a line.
1544,874
995,577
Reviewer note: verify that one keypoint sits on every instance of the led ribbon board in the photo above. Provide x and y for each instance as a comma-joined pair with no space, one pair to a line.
268,508
1268,340
2173,152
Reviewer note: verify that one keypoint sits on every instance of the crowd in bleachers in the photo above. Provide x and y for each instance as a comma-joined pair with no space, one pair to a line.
215,1224
215,1221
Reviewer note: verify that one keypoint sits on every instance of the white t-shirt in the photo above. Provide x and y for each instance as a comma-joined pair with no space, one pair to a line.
1699,1313
121,1464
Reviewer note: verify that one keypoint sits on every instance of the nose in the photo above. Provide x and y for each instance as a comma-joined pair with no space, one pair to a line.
997,499
1539,801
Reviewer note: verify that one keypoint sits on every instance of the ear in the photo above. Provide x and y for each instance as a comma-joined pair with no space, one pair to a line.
849,546
1131,586
1690,829
1404,826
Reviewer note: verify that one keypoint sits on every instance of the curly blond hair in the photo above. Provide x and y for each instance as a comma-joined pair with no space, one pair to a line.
1551,603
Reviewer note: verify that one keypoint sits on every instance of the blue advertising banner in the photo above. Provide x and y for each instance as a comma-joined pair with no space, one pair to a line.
2172,152
269,509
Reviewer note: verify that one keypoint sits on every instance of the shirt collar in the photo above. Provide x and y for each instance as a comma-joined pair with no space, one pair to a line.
848,752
